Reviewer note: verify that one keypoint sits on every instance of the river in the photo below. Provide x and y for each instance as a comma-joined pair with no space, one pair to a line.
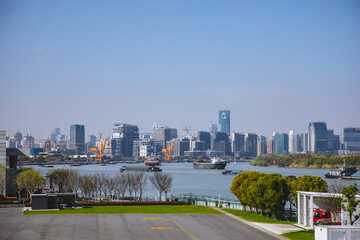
201,182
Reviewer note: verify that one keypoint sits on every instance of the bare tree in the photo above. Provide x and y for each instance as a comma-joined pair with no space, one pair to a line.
130,183
122,185
167,184
111,184
162,182
142,184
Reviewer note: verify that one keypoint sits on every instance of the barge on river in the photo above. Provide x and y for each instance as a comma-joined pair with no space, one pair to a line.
140,169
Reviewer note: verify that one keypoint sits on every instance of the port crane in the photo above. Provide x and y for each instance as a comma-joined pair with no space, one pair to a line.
99,150
168,152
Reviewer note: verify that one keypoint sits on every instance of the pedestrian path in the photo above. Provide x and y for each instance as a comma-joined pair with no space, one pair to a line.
270,228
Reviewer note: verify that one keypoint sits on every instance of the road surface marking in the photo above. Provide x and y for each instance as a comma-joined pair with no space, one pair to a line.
241,228
61,219
53,238
162,228
184,229
153,218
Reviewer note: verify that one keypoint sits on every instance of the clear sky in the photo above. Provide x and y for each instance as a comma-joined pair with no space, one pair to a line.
276,65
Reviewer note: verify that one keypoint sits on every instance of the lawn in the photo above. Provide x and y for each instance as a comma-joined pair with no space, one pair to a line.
301,235
159,209
253,217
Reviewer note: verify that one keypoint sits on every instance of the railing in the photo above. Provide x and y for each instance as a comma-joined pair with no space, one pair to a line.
211,201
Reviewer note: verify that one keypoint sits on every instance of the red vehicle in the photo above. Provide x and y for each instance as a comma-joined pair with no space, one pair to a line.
323,217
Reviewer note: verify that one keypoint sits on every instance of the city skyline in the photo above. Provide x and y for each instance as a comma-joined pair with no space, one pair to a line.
275,65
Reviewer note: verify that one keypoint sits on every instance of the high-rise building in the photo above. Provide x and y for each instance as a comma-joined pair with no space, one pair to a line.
164,134
304,138
77,138
147,148
122,142
180,146
318,140
251,144
261,145
28,141
213,128
281,141
293,142
224,121
205,136
270,144
237,143
351,138
222,144
3,156
18,137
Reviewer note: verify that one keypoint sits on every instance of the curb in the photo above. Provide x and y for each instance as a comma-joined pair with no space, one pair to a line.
251,224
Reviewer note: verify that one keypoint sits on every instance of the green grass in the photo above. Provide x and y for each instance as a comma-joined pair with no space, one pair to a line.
253,217
159,209
301,235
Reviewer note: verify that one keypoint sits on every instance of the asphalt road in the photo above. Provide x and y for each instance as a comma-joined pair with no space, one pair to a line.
15,226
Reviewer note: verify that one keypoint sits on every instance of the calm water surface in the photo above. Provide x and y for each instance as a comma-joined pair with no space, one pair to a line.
198,181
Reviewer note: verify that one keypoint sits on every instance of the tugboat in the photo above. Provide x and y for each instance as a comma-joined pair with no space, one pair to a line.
231,172
215,163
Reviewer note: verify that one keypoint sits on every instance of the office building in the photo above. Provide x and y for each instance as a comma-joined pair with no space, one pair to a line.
222,143
181,145
281,141
261,145
147,148
251,144
123,137
164,134
270,144
293,142
237,143
351,138
304,138
318,140
18,137
224,121
213,128
206,138
77,138
3,156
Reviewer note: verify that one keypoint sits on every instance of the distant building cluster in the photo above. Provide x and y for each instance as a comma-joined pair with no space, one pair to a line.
126,141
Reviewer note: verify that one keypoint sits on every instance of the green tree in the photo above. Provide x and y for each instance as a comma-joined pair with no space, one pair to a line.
30,180
307,183
64,179
241,185
2,178
349,203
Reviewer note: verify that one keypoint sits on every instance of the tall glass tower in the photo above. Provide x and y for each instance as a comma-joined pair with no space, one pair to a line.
224,121
318,140
77,138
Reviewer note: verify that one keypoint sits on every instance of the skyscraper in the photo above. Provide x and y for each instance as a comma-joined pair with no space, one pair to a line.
122,141
352,139
318,140
224,121
77,138
205,136
293,142
281,143
251,144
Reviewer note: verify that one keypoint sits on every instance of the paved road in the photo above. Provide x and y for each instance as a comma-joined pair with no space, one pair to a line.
14,226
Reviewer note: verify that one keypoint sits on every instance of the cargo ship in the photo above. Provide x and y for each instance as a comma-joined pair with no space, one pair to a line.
140,169
214,163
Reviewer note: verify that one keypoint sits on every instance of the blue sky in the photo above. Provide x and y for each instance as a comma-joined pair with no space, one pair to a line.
276,65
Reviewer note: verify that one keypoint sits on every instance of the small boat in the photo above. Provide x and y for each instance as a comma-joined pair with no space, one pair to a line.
48,166
102,164
75,165
355,176
231,172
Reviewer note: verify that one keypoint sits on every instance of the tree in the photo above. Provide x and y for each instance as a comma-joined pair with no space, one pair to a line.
307,183
276,193
30,180
349,203
241,185
162,182
64,179
142,184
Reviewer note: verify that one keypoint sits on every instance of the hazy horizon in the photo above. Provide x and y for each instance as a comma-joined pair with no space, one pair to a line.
276,65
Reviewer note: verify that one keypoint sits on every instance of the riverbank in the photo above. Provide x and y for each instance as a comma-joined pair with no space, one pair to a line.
306,161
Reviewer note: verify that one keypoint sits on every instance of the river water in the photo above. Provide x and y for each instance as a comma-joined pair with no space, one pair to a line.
202,182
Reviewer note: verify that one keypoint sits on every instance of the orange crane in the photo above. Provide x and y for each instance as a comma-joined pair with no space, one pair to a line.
99,150
168,152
